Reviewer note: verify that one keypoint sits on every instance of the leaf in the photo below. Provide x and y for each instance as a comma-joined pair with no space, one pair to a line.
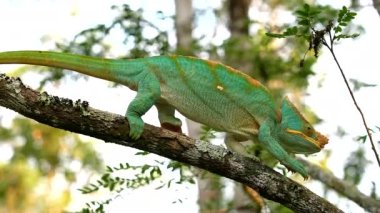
362,138
342,36
359,84
301,13
343,24
191,180
145,167
112,186
170,182
291,31
314,12
304,22
306,7
142,153
109,169
275,35
337,29
155,173
340,132
344,9
160,187
355,166
106,177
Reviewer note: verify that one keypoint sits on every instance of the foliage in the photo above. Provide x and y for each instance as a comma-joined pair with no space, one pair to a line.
314,22
314,26
133,26
144,176
207,133
117,179
270,62
357,85
136,41
39,152
355,166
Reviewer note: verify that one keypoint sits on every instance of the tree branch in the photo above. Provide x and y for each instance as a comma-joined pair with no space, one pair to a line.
342,187
80,118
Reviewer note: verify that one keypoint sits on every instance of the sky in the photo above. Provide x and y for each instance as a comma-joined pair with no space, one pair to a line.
36,24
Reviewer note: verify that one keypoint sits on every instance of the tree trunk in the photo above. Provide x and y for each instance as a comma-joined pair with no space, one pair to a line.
209,185
184,26
239,27
376,5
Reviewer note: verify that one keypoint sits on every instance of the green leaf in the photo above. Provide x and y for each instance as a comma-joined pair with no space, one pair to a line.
275,35
314,12
112,186
301,13
352,14
109,169
291,31
306,7
145,167
142,153
106,177
362,138
304,22
342,36
343,24
337,29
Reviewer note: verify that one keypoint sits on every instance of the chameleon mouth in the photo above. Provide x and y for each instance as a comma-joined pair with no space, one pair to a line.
320,141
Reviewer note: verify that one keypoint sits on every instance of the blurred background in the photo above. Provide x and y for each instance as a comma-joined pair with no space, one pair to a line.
43,169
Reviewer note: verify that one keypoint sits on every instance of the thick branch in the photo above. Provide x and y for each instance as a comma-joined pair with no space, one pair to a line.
78,117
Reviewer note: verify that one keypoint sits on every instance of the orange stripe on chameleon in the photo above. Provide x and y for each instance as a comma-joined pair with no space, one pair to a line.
214,64
234,71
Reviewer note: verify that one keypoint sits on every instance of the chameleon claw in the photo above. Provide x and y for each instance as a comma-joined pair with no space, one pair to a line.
298,169
136,127
135,133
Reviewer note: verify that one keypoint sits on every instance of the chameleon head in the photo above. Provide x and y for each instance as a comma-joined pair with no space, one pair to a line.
296,134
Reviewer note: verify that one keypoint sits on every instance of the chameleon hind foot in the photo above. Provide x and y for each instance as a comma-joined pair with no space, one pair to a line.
172,127
136,126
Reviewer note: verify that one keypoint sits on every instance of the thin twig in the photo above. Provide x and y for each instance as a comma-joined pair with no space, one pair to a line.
352,95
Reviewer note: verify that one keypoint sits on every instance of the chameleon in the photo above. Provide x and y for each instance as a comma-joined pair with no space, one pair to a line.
205,91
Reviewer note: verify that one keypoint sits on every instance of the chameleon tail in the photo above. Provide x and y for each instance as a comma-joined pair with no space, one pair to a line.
96,67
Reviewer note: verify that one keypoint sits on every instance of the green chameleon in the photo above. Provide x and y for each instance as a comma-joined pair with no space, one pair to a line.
207,92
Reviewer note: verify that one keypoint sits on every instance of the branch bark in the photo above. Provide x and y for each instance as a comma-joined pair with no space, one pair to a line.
80,118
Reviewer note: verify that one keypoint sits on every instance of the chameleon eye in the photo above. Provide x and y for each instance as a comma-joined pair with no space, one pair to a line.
309,130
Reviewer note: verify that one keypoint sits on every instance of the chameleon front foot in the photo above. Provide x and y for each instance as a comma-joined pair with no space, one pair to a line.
295,166
136,126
